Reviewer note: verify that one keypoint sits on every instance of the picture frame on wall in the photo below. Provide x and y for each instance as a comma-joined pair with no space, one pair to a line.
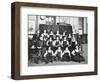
53,40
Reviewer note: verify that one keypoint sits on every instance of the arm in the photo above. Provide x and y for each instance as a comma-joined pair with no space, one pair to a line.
47,43
73,52
45,54
41,38
47,35
69,53
68,43
62,54
55,53
53,43
75,42
52,53
61,43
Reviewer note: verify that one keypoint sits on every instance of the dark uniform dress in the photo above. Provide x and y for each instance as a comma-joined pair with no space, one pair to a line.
69,40
43,50
35,42
58,56
38,36
60,39
63,36
78,57
64,44
50,43
66,57
57,44
35,56
73,46
49,57
45,37
57,35
51,36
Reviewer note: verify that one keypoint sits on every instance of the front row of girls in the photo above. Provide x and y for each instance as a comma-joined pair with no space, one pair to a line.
65,55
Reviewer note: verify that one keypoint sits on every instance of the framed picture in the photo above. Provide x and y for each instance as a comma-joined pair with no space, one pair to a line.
51,40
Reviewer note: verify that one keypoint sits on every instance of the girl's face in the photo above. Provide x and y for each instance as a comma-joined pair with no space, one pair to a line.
59,48
77,47
66,48
57,32
73,39
60,37
50,39
64,38
69,36
63,33
49,48
38,31
44,31
57,38
51,32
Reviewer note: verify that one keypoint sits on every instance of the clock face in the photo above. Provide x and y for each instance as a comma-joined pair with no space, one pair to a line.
42,17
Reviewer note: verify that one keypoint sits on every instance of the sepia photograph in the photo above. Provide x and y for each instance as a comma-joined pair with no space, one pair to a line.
57,40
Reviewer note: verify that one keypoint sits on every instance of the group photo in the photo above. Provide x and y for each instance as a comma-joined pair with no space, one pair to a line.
57,40
53,40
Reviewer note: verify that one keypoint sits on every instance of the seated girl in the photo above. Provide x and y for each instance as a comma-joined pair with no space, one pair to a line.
43,42
69,38
56,43
64,35
73,44
66,55
76,56
60,38
48,55
57,34
45,35
64,43
38,34
50,42
58,54
51,35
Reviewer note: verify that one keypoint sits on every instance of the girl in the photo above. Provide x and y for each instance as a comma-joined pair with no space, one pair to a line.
51,35
76,56
50,42
56,43
44,38
57,34
38,35
58,54
69,38
48,55
66,55
64,35
64,43
60,38
73,44
45,35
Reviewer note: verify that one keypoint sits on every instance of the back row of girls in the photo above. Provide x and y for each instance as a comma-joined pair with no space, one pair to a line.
54,40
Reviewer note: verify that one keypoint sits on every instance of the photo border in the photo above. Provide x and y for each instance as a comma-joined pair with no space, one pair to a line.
15,39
